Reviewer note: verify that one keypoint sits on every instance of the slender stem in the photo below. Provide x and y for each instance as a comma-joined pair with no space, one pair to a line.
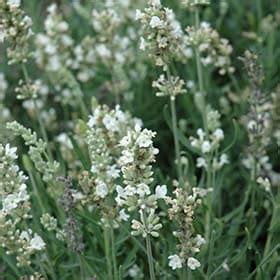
234,82
114,256
183,274
209,204
200,76
175,133
149,249
253,183
82,270
112,70
270,233
83,108
107,251
82,105
37,193
52,272
176,140
205,125
40,264
259,11
114,86
264,261
150,257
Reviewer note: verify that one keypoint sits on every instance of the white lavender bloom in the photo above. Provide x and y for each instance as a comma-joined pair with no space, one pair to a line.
15,28
199,240
37,243
171,86
106,129
135,272
101,189
15,236
206,147
37,150
175,262
213,50
193,263
162,34
161,191
181,211
156,22
123,215
137,155
201,162
209,143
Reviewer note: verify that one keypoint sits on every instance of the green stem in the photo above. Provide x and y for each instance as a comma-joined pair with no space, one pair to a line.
176,141
200,76
114,87
37,193
114,256
205,125
270,233
234,82
264,261
183,274
209,204
107,251
149,249
259,11
253,184
50,266
82,270
253,193
175,133
112,70
83,107
150,257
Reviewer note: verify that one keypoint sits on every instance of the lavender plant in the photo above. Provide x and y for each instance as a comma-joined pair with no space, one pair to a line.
122,184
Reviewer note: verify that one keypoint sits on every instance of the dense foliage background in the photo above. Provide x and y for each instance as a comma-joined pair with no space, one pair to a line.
244,236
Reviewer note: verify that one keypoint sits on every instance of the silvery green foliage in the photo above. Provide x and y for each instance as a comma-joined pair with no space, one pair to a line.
15,236
15,28
137,194
37,151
